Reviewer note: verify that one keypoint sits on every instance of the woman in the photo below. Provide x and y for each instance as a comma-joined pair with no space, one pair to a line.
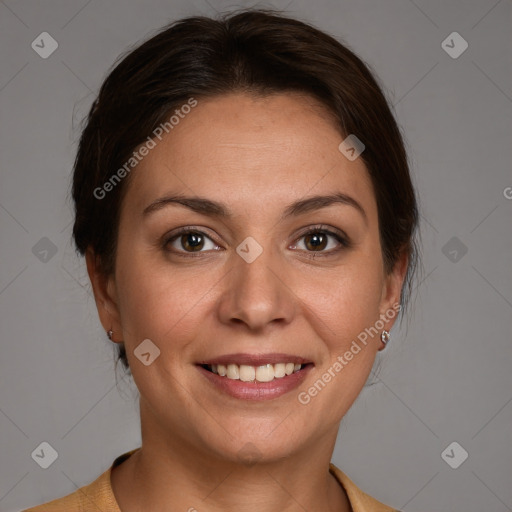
244,204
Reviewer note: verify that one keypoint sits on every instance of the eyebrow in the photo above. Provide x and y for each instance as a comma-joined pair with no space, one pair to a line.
216,209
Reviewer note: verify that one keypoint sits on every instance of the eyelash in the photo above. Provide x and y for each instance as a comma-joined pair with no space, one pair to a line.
342,239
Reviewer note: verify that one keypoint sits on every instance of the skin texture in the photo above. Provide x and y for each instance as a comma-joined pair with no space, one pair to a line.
256,155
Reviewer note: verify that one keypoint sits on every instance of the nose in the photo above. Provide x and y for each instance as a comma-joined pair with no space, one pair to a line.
257,294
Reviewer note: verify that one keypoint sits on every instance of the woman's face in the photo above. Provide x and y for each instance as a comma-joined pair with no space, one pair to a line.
249,281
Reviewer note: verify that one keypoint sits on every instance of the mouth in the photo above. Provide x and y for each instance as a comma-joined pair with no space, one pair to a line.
261,373
255,377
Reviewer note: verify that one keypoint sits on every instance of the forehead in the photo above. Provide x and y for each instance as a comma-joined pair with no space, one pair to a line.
245,149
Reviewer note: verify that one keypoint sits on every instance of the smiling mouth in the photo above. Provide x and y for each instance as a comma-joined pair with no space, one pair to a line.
248,373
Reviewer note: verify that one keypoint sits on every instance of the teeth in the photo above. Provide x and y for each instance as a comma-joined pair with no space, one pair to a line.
265,373
246,373
233,371
279,370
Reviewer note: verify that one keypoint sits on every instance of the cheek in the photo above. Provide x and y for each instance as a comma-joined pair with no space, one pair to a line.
167,307
345,302
156,299
342,315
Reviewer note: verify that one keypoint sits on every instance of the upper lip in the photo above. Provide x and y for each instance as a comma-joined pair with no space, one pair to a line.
255,359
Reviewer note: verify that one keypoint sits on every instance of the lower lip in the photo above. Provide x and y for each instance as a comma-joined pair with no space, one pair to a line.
256,390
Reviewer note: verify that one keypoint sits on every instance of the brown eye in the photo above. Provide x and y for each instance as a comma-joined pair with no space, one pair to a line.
316,241
189,241
321,241
192,241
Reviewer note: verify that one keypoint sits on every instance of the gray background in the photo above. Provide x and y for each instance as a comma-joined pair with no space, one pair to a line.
445,378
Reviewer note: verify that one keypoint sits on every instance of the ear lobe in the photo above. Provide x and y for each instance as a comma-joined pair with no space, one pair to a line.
104,293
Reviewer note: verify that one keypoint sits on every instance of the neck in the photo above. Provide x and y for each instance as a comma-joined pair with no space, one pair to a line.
171,469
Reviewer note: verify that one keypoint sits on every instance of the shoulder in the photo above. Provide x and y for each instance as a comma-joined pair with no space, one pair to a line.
89,497
97,495
359,500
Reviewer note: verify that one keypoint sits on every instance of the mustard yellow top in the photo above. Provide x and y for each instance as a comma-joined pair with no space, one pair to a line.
98,495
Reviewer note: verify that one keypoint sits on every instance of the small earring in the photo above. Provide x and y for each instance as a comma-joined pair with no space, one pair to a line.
109,334
384,337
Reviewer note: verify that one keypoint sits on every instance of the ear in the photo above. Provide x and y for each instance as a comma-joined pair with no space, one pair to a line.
391,291
104,294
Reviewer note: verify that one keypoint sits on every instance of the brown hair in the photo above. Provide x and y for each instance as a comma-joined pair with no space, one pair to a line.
257,51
